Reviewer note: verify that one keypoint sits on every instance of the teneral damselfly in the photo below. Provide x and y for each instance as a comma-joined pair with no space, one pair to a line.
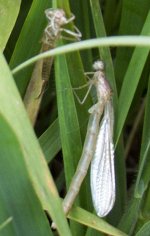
99,148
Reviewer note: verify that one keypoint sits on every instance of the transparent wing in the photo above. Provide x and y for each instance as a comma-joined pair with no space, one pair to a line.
102,166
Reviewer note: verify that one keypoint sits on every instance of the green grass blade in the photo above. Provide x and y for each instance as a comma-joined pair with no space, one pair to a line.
143,177
140,41
11,9
5,223
83,21
17,194
130,217
12,108
144,231
145,211
50,141
131,80
132,20
68,122
104,52
112,20
77,78
94,222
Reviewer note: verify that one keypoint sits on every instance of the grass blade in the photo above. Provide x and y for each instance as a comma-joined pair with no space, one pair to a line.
18,192
143,177
144,231
11,9
131,80
94,222
50,141
11,107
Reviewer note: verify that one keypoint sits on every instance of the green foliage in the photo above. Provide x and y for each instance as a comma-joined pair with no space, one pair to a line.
27,189
11,9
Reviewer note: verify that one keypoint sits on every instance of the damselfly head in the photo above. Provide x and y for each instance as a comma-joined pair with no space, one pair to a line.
98,65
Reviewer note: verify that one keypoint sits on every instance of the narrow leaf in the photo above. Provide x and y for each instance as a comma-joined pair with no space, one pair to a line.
11,9
12,108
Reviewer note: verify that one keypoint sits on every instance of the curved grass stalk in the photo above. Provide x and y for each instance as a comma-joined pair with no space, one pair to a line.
112,41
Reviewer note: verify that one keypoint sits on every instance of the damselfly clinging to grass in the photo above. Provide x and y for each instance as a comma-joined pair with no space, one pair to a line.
102,165
54,30
99,148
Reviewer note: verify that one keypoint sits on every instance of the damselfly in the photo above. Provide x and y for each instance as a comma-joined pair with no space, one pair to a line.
99,148
53,31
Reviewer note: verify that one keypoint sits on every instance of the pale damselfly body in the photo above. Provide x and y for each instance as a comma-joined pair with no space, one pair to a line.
54,30
98,149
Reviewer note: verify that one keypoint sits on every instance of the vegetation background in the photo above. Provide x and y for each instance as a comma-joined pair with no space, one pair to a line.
29,157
